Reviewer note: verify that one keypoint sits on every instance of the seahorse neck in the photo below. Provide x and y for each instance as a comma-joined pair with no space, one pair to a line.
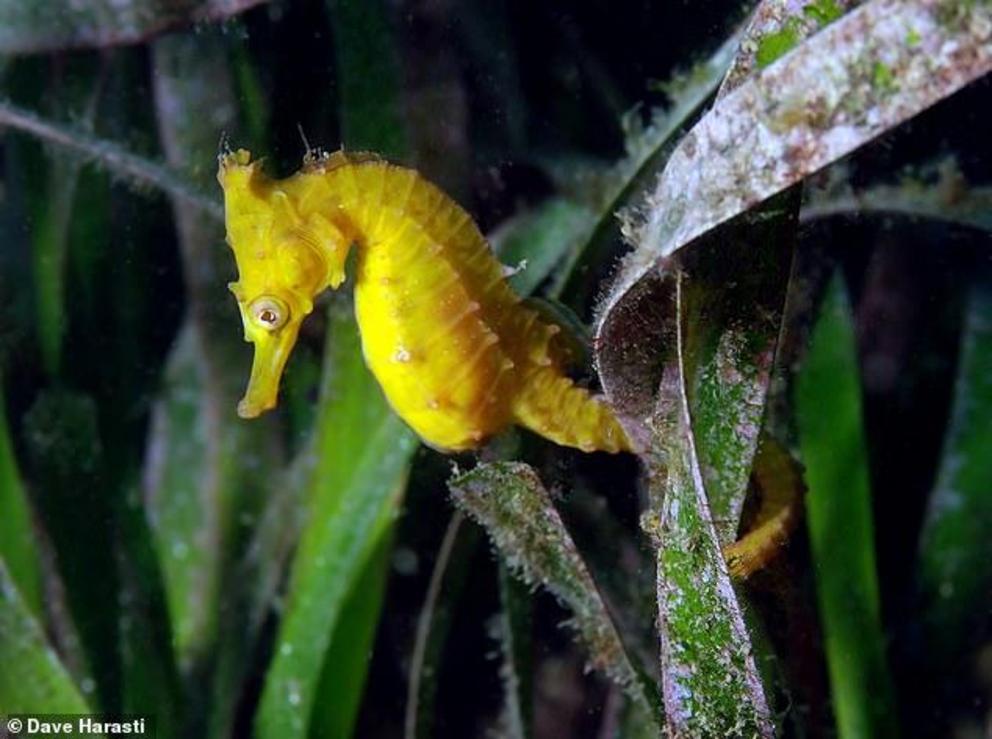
346,206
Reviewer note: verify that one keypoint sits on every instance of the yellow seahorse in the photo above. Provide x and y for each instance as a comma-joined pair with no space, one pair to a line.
458,354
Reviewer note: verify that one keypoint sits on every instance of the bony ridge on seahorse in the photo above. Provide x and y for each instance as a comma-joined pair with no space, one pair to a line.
457,353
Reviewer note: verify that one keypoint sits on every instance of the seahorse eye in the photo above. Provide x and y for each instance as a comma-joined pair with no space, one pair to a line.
269,313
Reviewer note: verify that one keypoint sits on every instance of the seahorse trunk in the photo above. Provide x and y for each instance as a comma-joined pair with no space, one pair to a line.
552,405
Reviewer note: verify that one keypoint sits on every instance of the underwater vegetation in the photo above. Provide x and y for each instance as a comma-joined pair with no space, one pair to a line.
744,247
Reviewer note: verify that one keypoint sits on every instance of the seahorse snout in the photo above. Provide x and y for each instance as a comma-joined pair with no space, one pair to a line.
272,350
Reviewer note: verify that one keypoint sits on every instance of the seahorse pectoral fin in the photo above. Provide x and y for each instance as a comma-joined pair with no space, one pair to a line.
272,350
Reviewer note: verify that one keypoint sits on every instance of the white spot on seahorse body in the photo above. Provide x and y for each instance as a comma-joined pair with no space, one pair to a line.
402,354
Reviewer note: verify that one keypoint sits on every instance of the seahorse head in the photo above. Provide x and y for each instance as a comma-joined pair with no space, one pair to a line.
284,262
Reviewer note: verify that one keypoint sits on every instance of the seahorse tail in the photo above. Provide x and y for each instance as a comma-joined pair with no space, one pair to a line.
551,405
778,477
